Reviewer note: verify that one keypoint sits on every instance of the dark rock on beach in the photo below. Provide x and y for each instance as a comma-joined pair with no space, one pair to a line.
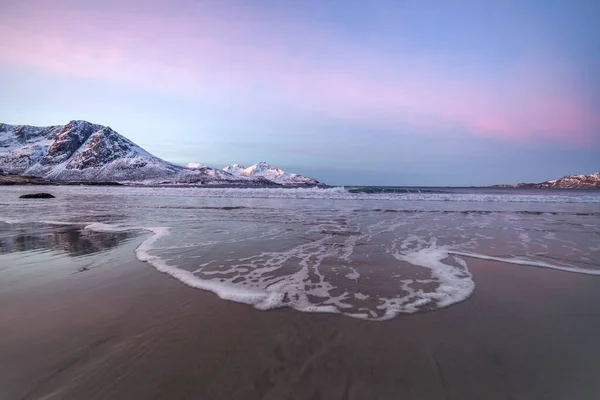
37,196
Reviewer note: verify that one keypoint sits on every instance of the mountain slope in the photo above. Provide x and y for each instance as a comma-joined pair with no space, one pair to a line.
89,152
569,182
277,175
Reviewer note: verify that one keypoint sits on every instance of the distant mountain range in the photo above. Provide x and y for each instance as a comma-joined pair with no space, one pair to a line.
82,151
590,181
264,170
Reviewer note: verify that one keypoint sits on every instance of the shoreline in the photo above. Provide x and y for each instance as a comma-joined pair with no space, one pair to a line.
20,180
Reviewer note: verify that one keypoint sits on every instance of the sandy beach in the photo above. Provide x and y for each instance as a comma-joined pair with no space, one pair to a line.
122,330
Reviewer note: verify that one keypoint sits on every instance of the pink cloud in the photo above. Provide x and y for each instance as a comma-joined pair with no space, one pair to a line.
233,62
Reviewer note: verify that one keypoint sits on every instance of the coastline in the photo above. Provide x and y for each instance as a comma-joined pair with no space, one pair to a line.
124,330
37,181
19,180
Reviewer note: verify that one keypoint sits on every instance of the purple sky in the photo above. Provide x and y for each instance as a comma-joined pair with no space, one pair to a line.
350,92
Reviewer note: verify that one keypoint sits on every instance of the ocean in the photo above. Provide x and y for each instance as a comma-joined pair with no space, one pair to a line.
371,253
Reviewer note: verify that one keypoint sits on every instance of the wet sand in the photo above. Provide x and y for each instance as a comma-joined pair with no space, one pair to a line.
122,330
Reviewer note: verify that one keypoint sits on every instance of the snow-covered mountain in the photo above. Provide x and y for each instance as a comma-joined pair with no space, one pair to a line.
82,151
264,170
195,165
569,182
235,169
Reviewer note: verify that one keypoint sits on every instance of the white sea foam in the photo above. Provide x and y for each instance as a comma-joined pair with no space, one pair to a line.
455,284
33,221
529,263
451,283
525,239
143,253
296,289
274,296
361,296
354,275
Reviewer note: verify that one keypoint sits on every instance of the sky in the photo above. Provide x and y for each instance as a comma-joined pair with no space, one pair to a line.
350,92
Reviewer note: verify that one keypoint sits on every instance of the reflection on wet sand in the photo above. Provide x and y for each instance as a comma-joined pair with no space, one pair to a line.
70,239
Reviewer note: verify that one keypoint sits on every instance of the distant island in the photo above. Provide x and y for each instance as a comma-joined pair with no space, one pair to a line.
81,152
590,181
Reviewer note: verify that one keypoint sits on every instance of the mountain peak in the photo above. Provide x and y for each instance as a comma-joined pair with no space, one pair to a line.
260,166
235,169
81,122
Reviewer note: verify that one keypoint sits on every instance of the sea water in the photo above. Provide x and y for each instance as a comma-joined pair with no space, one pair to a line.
370,253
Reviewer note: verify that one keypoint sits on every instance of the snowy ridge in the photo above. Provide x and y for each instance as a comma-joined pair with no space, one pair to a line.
82,151
277,175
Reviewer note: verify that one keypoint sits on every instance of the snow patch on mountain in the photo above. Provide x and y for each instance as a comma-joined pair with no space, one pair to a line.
195,165
235,169
277,175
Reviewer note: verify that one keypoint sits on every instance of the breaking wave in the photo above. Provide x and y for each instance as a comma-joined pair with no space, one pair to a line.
368,193
385,190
